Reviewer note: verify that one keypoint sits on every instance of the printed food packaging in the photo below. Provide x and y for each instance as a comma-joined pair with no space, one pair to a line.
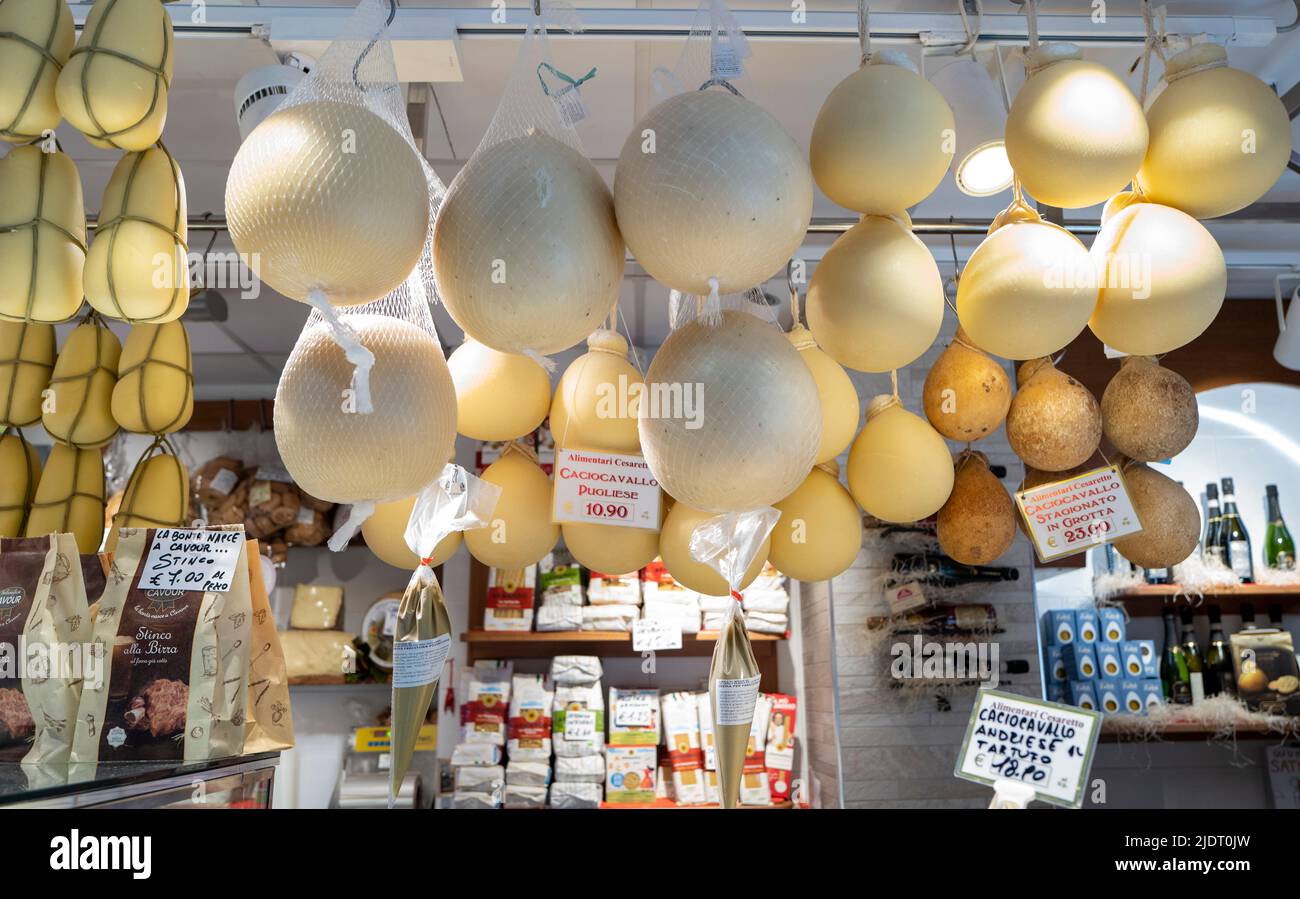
487,704
529,726
681,725
780,745
1265,665
630,773
510,599
633,717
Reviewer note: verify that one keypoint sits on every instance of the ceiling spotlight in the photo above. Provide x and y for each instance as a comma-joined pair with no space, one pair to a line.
261,90
979,162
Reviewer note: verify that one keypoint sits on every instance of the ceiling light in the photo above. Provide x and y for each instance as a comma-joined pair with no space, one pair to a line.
979,162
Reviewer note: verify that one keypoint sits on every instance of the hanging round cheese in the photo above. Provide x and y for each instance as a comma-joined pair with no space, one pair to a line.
899,467
1148,412
42,236
36,37
709,185
80,407
978,522
1028,289
114,86
730,420
882,140
521,530
385,534
327,196
967,392
340,455
26,362
839,398
1171,520
675,549
527,248
1220,137
1054,422
157,495
597,400
155,380
499,396
1162,278
20,471
875,301
608,549
1075,133
70,497
819,532
137,269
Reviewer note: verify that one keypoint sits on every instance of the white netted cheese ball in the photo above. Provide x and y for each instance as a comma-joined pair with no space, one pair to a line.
753,432
526,246
1075,133
1220,137
341,456
328,196
710,186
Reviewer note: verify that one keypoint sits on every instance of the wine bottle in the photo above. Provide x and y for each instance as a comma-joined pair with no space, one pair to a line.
1279,548
1158,576
1218,659
1275,616
945,572
1195,661
946,620
1174,676
1247,613
1234,539
1210,545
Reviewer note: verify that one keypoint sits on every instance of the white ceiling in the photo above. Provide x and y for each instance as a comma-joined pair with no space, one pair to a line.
788,78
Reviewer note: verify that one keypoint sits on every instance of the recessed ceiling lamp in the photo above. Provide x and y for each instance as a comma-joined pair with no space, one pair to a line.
979,163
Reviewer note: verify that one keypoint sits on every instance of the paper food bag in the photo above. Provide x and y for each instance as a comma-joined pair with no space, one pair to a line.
268,721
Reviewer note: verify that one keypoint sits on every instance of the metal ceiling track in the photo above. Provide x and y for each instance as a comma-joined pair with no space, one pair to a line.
414,24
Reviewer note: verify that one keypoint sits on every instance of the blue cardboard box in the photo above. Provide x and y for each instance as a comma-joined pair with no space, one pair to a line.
1087,626
1080,662
1056,670
1113,629
1060,627
1133,697
1110,664
1109,698
1083,695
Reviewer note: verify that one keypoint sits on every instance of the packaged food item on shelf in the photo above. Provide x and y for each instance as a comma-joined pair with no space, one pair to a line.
780,745
609,618
767,601
317,607
633,717
630,773
268,720
1060,627
558,617
310,527
1083,694
584,699
214,480
614,589
580,769
316,656
1268,678
510,599
476,800
559,578
466,754
576,795
487,703
767,622
520,796
571,671
704,704
657,582
681,725
755,788
711,793
527,774
686,614
480,779
1113,626
529,726
272,506
42,603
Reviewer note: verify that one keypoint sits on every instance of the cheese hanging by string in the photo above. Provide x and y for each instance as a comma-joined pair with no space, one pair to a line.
42,236
521,530
967,392
79,408
385,535
155,380
1171,521
875,301
899,467
598,398
137,269
1054,422
835,390
26,363
692,573
157,493
36,37
819,532
499,396
1148,412
114,86
978,522
20,471
70,497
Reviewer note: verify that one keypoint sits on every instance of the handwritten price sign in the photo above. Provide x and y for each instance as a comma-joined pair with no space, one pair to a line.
605,488
200,561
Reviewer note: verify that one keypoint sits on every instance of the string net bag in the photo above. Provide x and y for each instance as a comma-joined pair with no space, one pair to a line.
70,497
20,469
527,248
157,493
26,362
114,86
36,37
329,201
79,408
709,157
155,380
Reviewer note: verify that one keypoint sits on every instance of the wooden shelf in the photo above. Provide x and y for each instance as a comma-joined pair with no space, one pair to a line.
668,803
1150,599
482,636
1238,590
547,644
1116,731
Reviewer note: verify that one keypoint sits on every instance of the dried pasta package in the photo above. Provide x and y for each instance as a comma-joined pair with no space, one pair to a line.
114,86
157,493
36,37
44,605
26,363
136,269
20,470
155,380
42,234
70,497
79,410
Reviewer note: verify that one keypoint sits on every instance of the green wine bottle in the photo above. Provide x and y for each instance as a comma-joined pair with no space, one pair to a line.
1234,539
1218,658
1279,547
1195,663
1174,676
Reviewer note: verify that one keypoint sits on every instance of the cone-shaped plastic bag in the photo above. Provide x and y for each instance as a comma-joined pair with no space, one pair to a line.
729,543
457,501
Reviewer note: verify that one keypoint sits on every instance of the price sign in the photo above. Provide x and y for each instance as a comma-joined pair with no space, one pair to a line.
635,711
199,561
1071,516
605,488
1043,745
654,634
580,724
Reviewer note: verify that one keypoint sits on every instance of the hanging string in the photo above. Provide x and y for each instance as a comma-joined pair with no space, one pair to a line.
627,334
864,33
972,33
1154,43
1031,22
893,384
794,294
956,271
